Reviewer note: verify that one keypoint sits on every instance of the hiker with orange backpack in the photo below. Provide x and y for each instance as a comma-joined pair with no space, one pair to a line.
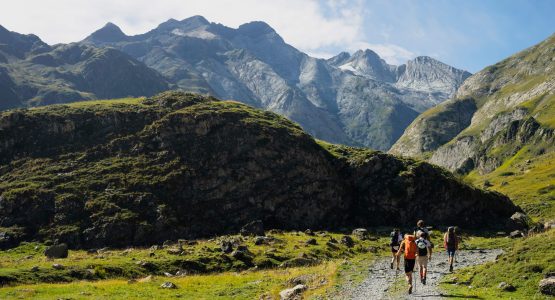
451,244
408,246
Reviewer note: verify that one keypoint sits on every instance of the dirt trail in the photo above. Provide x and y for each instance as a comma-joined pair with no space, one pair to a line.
380,283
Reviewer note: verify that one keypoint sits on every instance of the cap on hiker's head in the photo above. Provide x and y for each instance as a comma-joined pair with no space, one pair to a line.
420,223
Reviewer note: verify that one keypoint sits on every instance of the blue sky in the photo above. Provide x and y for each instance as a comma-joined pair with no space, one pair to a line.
469,34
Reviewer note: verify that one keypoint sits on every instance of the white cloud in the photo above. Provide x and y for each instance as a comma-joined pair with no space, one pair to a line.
309,25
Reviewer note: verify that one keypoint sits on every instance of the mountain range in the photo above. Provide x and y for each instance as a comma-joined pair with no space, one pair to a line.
354,99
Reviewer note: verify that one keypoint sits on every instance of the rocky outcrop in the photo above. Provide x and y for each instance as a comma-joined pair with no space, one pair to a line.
508,107
434,128
185,166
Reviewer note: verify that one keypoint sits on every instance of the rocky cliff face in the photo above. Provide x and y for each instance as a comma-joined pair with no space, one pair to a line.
254,65
183,166
495,113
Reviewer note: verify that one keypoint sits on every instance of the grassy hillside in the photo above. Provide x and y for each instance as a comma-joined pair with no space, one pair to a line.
523,265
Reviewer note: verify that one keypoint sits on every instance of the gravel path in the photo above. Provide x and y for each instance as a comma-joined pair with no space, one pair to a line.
380,283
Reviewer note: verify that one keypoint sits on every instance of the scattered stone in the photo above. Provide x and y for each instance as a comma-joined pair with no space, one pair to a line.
547,286
309,232
35,269
520,220
181,273
174,251
58,267
92,251
226,246
347,241
146,279
262,240
242,253
298,262
302,279
103,250
360,233
332,240
311,242
293,293
253,228
56,251
168,274
168,285
506,287
516,234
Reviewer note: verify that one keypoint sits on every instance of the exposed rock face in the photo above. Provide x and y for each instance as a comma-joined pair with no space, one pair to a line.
184,166
348,99
547,286
495,113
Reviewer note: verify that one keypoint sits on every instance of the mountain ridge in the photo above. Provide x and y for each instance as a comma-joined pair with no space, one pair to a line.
251,64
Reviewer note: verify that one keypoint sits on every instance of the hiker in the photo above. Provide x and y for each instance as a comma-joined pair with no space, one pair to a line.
451,244
420,227
423,255
396,238
408,246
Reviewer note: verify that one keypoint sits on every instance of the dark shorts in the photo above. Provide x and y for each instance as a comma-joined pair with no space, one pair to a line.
409,265
394,249
450,252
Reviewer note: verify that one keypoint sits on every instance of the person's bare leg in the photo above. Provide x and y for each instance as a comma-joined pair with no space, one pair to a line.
398,262
409,280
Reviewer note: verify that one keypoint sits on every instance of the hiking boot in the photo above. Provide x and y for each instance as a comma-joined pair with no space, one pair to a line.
451,268
410,289
391,266
424,281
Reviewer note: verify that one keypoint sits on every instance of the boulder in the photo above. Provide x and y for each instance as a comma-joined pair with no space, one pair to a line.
547,286
293,293
168,285
253,228
242,253
519,221
226,246
360,233
56,251
58,267
516,234
347,241
506,287
262,240
309,232
298,262
311,242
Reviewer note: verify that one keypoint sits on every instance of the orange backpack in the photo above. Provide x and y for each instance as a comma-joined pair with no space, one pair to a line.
410,247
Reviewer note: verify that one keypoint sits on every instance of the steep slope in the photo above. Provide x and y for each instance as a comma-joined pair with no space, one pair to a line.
181,165
33,73
499,128
254,65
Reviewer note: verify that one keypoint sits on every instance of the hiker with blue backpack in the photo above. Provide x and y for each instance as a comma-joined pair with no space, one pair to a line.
423,255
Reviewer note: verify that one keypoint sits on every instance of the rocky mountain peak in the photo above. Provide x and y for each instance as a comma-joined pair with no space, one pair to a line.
195,20
256,28
109,33
368,63
429,75
339,59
